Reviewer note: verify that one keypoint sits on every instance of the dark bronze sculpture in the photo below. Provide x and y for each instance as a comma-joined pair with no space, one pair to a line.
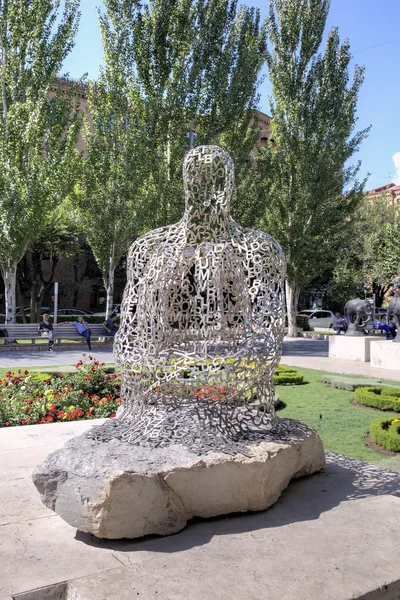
359,314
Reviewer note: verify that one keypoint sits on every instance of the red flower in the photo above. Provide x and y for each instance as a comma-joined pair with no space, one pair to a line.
23,421
19,371
8,374
50,419
90,357
87,378
26,372
7,423
112,416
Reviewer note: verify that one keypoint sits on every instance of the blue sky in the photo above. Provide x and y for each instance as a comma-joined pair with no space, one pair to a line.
372,28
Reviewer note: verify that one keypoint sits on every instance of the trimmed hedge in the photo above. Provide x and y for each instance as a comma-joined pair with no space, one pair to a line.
287,376
386,433
379,397
349,384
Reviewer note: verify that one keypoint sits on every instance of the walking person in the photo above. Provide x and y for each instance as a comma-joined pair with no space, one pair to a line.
83,328
45,328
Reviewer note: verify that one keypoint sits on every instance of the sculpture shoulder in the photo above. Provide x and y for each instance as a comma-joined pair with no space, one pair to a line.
259,242
148,242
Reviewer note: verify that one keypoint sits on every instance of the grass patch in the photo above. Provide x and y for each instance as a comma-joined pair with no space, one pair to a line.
343,427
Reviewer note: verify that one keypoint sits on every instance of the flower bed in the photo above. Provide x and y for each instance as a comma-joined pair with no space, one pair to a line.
36,398
386,433
384,398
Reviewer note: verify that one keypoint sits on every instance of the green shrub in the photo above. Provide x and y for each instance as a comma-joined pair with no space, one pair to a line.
379,397
302,321
386,433
283,377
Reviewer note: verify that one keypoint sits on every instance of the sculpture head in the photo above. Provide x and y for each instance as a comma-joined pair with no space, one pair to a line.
209,179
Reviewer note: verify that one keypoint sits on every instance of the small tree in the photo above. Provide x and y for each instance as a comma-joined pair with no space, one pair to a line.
61,238
311,192
371,257
37,134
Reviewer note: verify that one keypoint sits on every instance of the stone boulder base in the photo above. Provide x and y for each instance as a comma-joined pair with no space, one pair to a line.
117,490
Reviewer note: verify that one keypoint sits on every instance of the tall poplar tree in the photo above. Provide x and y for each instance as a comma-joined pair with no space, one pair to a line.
311,190
38,126
114,169
177,73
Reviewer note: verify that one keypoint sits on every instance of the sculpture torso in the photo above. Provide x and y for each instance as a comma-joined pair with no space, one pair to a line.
203,305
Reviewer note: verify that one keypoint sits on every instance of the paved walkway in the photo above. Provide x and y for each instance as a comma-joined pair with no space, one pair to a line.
313,354
60,357
331,536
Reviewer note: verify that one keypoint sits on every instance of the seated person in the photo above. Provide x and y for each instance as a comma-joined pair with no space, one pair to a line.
83,328
381,325
339,324
45,328
110,327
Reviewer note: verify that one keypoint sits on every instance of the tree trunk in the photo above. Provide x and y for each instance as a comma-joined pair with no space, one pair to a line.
292,299
20,299
10,277
109,285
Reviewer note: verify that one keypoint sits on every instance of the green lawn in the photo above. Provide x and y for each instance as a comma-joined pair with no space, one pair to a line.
343,427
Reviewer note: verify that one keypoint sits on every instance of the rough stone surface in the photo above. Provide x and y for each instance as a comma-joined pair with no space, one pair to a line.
115,490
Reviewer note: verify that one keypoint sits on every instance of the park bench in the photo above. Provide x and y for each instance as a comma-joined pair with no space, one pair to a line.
62,331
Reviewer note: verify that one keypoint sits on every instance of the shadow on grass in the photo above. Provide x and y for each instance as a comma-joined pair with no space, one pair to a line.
305,499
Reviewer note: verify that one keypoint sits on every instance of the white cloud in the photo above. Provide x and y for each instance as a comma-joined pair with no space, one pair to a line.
396,160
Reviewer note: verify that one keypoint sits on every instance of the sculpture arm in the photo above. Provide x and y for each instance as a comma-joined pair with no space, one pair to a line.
268,305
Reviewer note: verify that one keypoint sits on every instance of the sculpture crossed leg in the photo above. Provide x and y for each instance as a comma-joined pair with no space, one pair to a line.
202,321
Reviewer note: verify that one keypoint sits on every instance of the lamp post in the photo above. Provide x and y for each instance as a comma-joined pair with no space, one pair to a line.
55,301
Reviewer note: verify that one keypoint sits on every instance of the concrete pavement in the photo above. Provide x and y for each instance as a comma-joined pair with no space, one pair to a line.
313,354
331,536
59,357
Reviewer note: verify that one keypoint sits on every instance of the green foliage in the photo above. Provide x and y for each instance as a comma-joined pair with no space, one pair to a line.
287,376
303,322
386,433
35,398
39,124
379,397
371,256
310,193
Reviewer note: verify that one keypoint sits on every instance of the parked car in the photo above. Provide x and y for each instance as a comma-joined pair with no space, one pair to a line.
115,311
72,311
319,318
27,310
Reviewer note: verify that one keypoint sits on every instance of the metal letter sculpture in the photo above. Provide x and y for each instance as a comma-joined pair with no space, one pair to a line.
202,321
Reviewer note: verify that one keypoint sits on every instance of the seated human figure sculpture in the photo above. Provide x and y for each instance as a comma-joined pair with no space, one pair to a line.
202,318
